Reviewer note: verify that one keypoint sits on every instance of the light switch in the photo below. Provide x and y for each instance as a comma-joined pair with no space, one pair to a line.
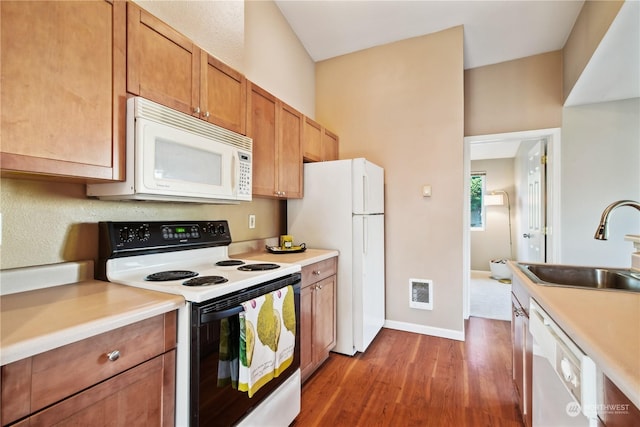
426,191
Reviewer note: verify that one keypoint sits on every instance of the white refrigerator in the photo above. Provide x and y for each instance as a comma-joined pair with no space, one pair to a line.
343,209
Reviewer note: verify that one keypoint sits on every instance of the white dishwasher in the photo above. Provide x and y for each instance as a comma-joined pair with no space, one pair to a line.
564,378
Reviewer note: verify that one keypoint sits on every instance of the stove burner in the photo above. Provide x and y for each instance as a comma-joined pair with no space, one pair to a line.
258,267
229,262
164,276
205,281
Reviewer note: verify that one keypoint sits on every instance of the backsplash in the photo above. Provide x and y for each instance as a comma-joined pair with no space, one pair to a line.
46,222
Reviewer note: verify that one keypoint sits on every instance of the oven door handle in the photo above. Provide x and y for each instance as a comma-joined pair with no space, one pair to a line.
217,315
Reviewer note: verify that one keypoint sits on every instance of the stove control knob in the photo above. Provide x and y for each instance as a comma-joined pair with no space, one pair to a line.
221,229
126,234
211,229
143,233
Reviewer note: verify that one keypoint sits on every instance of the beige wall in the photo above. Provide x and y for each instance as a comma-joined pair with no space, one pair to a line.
592,23
49,222
275,59
401,106
523,94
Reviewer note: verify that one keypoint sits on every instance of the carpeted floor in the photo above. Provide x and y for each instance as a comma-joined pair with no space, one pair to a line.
489,298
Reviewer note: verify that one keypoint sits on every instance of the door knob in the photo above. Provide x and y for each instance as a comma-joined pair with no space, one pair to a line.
527,235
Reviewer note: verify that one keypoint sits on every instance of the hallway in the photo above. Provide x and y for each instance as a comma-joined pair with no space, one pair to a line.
489,298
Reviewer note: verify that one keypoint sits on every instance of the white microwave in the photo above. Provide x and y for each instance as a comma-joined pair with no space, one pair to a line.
171,156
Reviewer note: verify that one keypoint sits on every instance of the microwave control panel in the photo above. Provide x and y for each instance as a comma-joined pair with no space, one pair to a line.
244,185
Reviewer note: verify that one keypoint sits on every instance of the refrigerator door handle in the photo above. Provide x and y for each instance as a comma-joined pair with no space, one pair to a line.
365,193
365,235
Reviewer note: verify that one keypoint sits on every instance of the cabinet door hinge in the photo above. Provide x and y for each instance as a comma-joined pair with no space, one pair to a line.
543,159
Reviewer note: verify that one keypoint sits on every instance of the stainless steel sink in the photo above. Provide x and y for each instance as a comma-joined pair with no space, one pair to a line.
582,277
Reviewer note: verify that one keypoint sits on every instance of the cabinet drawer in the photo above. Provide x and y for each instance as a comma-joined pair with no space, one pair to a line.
319,270
51,376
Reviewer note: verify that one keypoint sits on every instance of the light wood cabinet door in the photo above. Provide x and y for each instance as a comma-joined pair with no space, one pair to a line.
276,130
324,334
317,314
617,409
306,331
312,140
142,395
289,155
319,144
330,146
162,64
262,108
63,88
223,95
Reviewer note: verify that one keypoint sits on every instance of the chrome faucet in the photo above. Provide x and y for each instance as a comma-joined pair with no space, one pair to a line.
603,228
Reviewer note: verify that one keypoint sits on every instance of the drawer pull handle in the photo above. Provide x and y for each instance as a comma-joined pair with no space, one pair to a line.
114,355
316,272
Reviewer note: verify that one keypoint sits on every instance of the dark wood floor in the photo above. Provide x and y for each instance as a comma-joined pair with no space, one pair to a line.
407,379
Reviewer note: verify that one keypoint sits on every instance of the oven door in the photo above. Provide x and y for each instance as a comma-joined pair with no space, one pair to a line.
215,329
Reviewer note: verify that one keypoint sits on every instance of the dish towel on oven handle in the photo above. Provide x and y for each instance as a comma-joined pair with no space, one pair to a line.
267,338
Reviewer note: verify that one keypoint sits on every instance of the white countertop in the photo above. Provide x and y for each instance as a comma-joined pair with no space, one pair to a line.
604,324
37,316
309,256
39,320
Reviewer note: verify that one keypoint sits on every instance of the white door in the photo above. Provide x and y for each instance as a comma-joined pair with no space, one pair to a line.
368,187
368,279
534,235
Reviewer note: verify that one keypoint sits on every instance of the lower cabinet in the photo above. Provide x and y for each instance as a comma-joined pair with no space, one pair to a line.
617,409
317,314
119,378
522,350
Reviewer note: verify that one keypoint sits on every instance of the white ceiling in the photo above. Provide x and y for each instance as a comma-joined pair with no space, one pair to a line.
494,31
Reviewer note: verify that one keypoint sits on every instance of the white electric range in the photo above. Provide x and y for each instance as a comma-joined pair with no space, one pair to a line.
190,258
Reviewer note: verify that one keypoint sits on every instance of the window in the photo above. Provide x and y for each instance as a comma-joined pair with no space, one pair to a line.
477,200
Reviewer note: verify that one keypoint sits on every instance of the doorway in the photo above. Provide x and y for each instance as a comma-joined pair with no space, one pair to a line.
543,242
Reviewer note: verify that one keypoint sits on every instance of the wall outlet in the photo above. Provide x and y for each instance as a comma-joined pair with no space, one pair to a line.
252,221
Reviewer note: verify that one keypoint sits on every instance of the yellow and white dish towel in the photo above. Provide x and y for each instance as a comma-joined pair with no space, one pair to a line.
284,304
267,338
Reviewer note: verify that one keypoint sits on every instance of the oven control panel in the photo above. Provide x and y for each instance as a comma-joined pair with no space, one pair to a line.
127,238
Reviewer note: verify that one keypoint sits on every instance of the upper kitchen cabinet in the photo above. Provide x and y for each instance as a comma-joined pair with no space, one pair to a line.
63,88
319,144
330,145
168,68
312,140
276,130
223,95
163,65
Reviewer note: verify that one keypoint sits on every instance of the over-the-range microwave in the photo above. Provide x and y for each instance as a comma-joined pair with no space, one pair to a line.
171,156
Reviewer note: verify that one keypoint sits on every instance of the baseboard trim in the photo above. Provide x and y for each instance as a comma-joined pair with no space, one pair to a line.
425,330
